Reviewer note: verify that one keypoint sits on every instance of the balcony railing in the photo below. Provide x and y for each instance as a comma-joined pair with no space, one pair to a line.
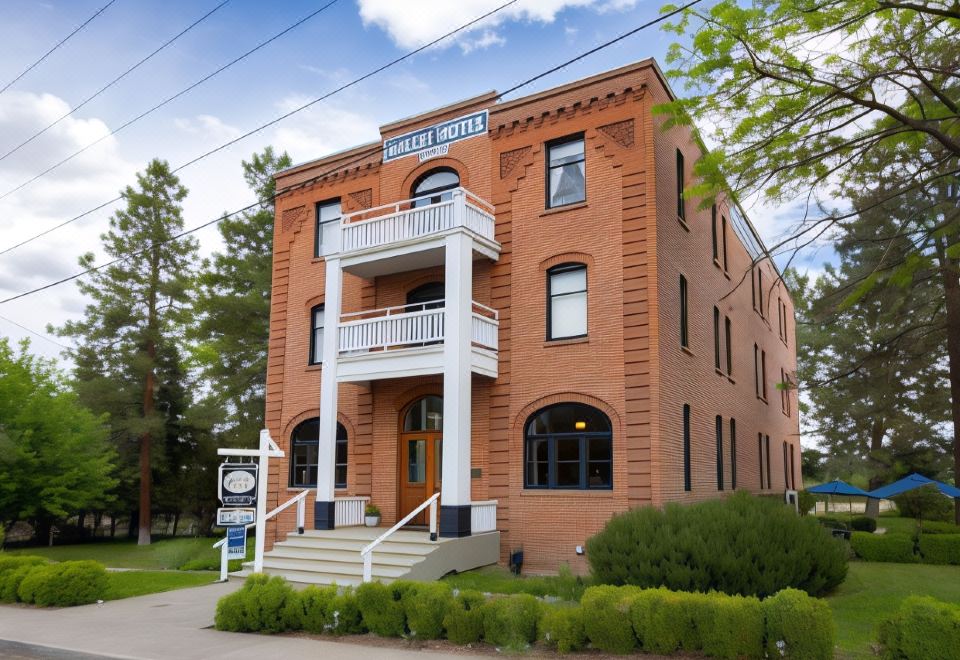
410,326
404,221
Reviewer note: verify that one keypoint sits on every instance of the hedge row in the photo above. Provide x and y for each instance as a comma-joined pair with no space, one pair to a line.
33,580
790,624
922,628
901,548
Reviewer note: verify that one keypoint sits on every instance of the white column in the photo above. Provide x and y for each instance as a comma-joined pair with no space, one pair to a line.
326,456
457,399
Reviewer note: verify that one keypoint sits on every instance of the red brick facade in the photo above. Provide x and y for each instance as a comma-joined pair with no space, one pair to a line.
630,365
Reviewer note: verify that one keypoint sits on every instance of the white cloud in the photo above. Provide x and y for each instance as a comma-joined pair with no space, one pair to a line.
485,40
320,130
208,128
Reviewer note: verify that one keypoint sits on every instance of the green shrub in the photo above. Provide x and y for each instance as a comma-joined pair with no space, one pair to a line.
11,580
798,627
344,612
936,527
510,623
863,524
65,584
883,547
739,545
665,621
13,562
464,619
381,610
310,610
262,604
425,604
940,548
731,627
806,501
834,523
562,627
925,503
605,615
922,628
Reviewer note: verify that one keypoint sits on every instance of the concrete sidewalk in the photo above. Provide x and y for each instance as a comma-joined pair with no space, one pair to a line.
175,624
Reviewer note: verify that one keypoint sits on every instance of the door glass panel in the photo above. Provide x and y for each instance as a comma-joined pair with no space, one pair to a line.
416,461
437,462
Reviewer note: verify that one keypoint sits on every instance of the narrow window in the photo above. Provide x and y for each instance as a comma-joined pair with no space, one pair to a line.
793,471
763,373
766,447
733,454
713,234
681,204
760,456
785,334
684,337
753,288
716,338
756,370
566,172
760,292
304,442
327,212
786,476
723,236
726,324
316,334
567,301
686,447
780,318
719,452
340,461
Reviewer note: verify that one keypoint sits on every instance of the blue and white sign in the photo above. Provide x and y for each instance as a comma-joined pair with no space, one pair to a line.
236,542
435,140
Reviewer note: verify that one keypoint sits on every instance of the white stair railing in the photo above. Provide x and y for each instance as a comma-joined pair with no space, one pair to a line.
299,499
367,552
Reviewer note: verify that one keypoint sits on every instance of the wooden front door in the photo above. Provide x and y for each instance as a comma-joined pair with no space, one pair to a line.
421,454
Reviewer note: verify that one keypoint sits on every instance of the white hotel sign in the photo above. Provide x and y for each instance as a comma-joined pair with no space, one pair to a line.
435,140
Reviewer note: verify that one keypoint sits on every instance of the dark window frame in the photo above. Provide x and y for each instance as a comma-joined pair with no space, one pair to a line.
713,234
766,444
793,468
568,267
342,441
719,430
684,313
760,457
585,439
723,238
549,145
312,355
763,373
728,332
435,194
716,338
317,230
733,454
681,182
786,476
687,482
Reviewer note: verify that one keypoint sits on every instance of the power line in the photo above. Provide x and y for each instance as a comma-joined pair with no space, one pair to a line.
168,100
361,157
35,333
59,43
114,81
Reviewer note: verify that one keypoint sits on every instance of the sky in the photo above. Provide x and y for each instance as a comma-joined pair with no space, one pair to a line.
344,41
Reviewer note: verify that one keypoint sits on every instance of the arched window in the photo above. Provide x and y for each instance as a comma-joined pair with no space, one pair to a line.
435,186
430,295
570,446
304,443
425,414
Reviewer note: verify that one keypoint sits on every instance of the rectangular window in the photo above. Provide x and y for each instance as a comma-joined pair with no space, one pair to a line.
340,463
760,457
684,335
753,287
785,333
780,318
719,452
316,334
756,370
570,461
763,373
566,172
723,237
686,447
727,330
733,454
567,301
786,475
681,203
760,292
783,393
716,339
793,471
327,212
766,447
713,234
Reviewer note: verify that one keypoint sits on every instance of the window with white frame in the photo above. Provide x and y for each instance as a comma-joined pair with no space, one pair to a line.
327,212
566,172
567,301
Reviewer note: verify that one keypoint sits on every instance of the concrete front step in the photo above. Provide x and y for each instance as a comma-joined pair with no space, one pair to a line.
327,566
352,545
346,556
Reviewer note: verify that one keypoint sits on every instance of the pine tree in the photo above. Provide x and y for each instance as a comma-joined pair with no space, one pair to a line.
134,320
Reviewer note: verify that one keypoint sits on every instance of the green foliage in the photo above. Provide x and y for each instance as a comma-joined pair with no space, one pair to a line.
510,622
371,510
65,584
498,580
806,501
310,610
262,604
883,547
606,609
126,584
864,524
833,523
425,605
925,503
798,627
739,545
923,628
464,618
934,527
940,548
562,627
13,569
731,627
665,621
381,609
2,535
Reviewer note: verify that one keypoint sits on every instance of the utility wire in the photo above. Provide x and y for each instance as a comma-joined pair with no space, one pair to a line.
361,157
168,100
35,333
59,43
113,82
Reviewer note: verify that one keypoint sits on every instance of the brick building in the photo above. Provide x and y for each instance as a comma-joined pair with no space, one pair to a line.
525,316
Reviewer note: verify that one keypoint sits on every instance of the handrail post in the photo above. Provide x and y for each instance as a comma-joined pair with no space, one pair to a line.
368,566
300,515
433,520
224,562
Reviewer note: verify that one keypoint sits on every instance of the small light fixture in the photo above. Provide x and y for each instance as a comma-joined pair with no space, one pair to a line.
580,425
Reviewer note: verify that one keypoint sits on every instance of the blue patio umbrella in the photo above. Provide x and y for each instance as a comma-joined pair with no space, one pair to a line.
838,487
910,482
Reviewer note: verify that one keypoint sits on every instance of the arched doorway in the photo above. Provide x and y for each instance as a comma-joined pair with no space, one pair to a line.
421,454
435,186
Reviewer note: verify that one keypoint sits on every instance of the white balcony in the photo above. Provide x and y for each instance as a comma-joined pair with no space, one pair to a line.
408,341
409,234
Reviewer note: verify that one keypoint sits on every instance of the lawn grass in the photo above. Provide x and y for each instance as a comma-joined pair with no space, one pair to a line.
499,580
873,591
124,584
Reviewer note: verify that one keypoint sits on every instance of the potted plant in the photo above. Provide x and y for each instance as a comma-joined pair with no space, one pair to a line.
372,515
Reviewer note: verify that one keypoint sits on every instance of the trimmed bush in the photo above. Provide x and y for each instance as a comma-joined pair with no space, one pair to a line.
64,585
324,610
806,501
12,572
262,604
923,628
940,548
562,627
14,562
510,623
344,612
834,523
936,527
883,547
738,545
606,610
464,619
798,627
732,627
665,621
425,604
381,610
863,524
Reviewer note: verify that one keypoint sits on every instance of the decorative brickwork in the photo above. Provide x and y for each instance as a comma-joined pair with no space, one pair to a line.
510,159
620,132
290,217
363,198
